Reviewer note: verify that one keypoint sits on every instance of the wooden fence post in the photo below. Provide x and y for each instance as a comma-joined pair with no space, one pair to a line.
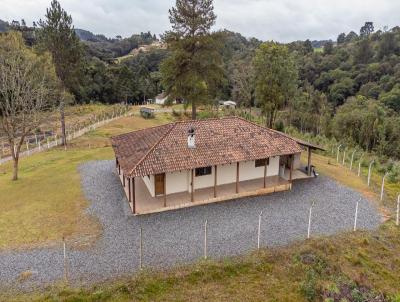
352,158
359,165
344,157
259,230
369,171
383,184
309,222
141,249
337,153
205,240
355,218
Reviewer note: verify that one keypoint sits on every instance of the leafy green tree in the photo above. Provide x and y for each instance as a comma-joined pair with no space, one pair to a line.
387,45
367,29
359,121
276,77
193,70
341,90
328,48
28,87
341,38
364,52
307,46
392,98
351,37
57,35
370,90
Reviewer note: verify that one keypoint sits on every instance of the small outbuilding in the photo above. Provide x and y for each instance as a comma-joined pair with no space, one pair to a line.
161,99
228,104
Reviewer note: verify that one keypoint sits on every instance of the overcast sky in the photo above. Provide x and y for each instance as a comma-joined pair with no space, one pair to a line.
280,20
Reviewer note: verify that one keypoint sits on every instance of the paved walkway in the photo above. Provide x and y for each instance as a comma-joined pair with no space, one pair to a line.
177,236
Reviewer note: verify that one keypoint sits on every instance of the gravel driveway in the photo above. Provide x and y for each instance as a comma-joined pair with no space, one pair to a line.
177,236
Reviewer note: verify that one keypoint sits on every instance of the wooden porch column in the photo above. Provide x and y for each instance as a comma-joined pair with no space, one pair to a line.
237,177
165,190
129,190
309,162
265,173
291,171
215,181
133,196
192,185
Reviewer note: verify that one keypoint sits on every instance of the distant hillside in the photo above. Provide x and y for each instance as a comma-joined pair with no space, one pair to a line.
109,49
319,43
3,26
154,46
86,35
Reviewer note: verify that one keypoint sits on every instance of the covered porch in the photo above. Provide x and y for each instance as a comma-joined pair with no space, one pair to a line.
146,204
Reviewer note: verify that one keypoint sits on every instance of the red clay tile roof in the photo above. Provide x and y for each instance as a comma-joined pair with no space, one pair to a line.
218,141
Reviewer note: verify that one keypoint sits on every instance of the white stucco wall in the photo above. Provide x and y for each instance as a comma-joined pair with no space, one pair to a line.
160,101
226,174
177,181
296,161
248,170
149,184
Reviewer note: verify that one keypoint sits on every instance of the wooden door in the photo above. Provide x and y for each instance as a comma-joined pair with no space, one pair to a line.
159,183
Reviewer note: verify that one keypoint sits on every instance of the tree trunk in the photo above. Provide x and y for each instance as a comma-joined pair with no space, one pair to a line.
15,157
15,168
193,111
62,120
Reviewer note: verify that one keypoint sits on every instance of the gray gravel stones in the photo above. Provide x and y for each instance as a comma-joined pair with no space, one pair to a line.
176,237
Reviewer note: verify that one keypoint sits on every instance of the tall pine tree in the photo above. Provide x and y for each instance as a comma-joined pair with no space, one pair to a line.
193,70
57,35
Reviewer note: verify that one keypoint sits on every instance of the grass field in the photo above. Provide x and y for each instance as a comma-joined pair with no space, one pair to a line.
329,166
46,203
348,267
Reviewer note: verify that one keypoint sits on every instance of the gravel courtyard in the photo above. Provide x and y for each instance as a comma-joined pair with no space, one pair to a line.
177,236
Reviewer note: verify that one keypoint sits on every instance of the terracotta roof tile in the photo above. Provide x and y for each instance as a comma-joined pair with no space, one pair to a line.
218,141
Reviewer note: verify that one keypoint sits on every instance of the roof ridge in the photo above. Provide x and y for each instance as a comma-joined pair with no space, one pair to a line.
142,129
173,125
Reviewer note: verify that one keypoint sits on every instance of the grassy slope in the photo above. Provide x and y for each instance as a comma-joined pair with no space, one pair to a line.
347,265
329,166
46,203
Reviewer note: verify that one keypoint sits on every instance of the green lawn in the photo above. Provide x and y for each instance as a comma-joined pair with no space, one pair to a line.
350,266
46,203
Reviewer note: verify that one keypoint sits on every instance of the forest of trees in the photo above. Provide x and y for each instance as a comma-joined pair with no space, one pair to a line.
349,91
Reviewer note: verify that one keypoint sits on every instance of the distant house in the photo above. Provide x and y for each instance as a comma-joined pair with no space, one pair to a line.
228,104
189,163
161,99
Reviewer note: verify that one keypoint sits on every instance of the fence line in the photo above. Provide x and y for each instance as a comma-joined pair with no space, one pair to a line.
70,136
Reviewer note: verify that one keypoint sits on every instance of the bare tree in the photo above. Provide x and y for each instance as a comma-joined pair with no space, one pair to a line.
27,85
243,88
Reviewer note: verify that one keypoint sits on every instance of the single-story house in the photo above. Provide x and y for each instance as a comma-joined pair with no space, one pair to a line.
195,162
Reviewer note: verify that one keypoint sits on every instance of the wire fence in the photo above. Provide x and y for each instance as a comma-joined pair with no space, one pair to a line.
49,139
204,233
